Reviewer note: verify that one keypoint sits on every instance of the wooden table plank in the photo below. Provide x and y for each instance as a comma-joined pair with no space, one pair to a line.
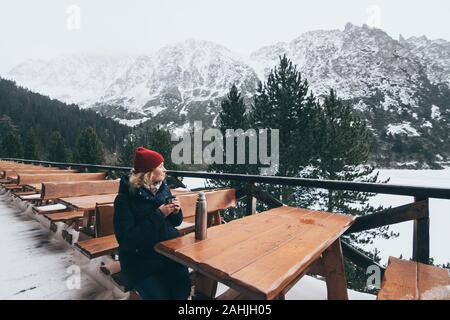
87,203
272,272
244,227
217,243
239,255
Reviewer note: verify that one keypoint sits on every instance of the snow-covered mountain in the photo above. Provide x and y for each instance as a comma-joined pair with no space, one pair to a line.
358,62
401,87
81,79
178,79
394,84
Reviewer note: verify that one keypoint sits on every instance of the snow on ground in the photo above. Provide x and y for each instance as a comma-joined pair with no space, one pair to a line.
34,266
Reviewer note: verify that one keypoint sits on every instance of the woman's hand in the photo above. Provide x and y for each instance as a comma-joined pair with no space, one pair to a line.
167,209
176,203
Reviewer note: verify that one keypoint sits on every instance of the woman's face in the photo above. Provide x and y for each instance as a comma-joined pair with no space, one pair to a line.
159,173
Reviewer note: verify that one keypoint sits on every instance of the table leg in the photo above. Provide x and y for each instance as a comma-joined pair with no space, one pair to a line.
204,287
333,263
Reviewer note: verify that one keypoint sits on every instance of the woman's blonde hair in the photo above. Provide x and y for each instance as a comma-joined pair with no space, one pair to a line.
139,179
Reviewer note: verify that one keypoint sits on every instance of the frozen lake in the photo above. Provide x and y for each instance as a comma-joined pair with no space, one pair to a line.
439,214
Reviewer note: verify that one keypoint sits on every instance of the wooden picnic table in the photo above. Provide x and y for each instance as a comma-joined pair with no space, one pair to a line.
88,203
263,255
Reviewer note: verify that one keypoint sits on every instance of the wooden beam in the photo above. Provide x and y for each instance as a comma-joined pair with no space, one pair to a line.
421,237
263,196
251,202
412,211
358,258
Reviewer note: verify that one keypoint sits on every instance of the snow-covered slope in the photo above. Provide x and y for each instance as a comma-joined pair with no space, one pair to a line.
433,54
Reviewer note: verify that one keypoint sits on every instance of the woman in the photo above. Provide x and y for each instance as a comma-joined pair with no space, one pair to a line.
141,220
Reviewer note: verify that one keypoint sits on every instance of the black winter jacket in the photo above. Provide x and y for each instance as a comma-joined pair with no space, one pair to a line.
139,225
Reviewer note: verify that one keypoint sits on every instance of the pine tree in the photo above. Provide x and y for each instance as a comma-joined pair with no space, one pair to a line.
343,152
158,139
126,153
57,150
284,103
6,126
233,115
12,146
89,148
31,146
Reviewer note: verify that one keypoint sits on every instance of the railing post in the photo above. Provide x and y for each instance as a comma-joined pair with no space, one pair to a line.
421,236
250,202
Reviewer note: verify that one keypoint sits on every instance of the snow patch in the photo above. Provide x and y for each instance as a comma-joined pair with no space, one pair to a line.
131,122
402,128
435,112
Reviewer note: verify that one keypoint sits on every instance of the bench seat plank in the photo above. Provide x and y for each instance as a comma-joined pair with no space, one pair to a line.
410,280
96,247
64,216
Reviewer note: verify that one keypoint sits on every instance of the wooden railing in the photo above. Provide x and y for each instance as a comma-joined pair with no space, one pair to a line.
418,211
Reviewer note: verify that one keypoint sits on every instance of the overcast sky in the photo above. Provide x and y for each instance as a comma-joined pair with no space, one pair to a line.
46,28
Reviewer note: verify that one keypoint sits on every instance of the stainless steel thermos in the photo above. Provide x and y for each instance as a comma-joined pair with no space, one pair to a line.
201,216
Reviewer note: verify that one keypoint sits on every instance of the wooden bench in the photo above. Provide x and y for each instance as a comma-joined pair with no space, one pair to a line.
13,170
64,216
410,280
25,179
16,172
55,190
105,242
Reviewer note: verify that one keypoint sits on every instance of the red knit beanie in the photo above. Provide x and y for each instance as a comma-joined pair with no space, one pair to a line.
146,160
